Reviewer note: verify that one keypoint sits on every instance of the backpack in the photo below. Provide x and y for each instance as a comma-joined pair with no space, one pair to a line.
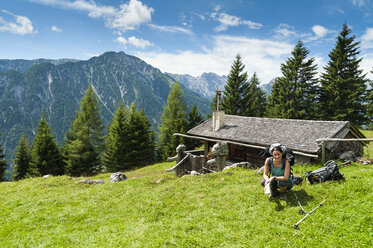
329,172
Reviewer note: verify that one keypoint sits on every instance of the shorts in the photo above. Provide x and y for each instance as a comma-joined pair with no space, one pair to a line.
276,184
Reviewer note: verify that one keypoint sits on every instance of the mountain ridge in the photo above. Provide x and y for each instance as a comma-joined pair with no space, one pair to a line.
57,90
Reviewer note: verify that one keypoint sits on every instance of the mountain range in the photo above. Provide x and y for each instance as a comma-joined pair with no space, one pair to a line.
55,87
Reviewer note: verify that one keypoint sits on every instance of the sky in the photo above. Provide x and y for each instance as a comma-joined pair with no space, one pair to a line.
185,36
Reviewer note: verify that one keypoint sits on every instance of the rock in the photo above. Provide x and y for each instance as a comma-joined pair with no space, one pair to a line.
117,177
349,155
194,173
90,181
261,170
245,165
46,176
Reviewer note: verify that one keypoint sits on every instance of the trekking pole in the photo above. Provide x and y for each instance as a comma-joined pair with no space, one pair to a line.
296,226
301,210
344,164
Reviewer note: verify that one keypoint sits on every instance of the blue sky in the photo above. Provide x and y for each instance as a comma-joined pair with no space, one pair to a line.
185,36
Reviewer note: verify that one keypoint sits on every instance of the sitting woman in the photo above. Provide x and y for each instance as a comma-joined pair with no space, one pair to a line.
279,167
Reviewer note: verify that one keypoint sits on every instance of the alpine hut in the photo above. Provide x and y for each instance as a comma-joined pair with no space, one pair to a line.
247,137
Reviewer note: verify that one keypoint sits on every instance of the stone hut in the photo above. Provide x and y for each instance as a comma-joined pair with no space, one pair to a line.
247,137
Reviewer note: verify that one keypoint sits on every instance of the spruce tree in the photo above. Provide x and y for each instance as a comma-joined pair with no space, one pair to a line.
293,94
256,98
22,159
46,157
85,141
343,84
370,105
141,141
3,162
173,120
193,120
233,100
115,156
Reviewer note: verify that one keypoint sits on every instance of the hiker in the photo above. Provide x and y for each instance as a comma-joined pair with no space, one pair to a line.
279,168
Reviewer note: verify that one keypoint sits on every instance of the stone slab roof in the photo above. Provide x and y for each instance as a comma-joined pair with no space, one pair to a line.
299,135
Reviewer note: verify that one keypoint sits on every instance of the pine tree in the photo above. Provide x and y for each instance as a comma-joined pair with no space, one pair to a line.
45,154
141,139
293,94
22,159
233,100
115,156
193,119
173,120
343,84
85,141
256,98
370,105
3,163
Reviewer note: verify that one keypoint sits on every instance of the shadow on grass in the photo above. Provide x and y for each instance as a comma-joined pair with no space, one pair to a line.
303,197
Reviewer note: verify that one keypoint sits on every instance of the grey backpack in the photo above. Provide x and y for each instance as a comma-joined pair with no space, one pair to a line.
329,172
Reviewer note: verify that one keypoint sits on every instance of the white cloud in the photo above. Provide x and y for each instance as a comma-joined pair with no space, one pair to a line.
367,39
19,25
261,56
131,15
133,41
56,29
171,29
367,64
320,31
227,21
127,17
285,31
360,3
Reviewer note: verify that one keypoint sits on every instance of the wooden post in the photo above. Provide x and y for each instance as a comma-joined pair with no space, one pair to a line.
205,152
323,152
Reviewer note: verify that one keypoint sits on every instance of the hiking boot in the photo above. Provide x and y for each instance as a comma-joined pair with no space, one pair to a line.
274,193
283,196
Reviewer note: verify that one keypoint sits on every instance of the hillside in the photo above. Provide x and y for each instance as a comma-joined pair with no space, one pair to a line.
58,89
206,84
155,209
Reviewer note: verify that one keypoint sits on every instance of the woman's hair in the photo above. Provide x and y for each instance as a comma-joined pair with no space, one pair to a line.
276,147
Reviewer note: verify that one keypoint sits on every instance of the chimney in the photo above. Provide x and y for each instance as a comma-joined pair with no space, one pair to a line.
218,116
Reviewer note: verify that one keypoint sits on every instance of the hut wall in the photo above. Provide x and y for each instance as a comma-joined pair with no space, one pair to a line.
241,153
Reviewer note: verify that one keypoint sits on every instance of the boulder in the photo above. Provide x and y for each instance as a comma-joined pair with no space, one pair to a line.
90,181
117,177
348,156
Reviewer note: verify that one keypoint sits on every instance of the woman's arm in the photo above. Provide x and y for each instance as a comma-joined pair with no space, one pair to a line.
266,169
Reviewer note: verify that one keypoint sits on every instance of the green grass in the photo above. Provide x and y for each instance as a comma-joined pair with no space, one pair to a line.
155,209
368,150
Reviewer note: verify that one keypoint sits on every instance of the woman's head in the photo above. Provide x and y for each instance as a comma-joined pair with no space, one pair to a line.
276,150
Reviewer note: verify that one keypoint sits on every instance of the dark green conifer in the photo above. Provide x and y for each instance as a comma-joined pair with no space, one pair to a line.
46,157
256,98
233,100
22,159
85,141
370,106
293,94
141,141
173,120
3,162
115,156
193,120
343,84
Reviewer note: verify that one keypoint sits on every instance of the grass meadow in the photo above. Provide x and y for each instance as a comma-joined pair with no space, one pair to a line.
368,150
157,209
